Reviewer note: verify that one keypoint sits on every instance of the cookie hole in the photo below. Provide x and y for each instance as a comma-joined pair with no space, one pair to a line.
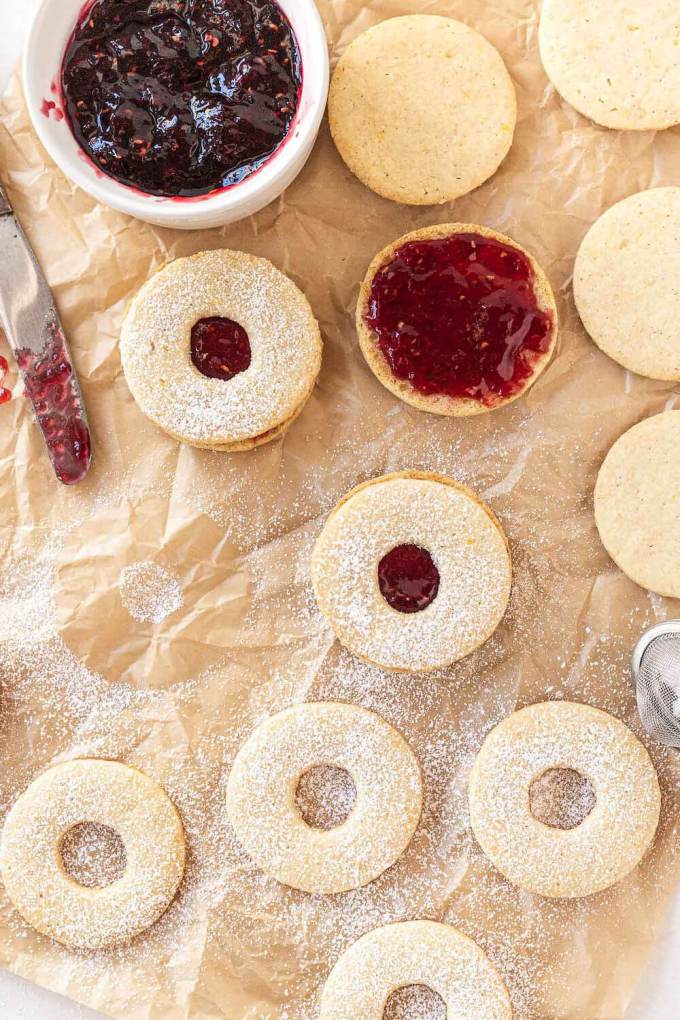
325,796
93,855
408,578
220,348
415,1002
561,798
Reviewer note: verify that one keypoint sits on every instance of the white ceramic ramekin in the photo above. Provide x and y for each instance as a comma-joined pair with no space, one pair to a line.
49,33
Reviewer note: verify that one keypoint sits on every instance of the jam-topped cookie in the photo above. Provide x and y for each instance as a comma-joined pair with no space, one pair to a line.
456,319
178,99
221,350
412,571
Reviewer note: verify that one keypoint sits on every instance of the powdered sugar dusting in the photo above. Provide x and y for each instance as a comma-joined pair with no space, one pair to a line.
149,592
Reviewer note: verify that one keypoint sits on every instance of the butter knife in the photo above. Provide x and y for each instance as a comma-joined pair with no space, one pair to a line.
30,320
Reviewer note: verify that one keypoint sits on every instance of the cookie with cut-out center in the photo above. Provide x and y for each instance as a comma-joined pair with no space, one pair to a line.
105,793
415,953
613,837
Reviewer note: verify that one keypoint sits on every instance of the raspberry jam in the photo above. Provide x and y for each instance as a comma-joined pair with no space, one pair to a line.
179,98
50,383
408,578
5,393
458,316
220,348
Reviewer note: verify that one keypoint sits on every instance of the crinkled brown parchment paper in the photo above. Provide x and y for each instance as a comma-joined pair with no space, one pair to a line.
177,698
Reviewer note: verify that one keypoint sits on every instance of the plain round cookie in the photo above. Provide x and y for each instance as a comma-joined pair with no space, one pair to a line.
263,782
637,501
414,953
456,407
253,407
466,543
104,793
422,109
616,63
612,839
627,283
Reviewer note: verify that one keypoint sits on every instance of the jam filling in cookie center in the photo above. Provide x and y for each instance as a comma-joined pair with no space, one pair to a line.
561,798
408,578
179,98
220,348
458,316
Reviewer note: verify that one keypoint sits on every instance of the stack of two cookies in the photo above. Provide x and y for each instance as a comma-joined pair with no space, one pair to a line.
221,350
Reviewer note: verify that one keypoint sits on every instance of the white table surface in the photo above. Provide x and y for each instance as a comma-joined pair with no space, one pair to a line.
658,997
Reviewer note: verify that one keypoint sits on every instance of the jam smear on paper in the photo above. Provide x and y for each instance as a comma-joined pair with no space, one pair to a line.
179,98
5,393
459,316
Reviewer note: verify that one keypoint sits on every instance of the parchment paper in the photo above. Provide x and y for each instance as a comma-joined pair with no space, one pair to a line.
177,698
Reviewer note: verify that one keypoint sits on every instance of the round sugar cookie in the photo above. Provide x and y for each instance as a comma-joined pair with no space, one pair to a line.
414,953
221,350
637,503
422,109
627,283
615,61
262,808
612,838
456,319
104,793
412,571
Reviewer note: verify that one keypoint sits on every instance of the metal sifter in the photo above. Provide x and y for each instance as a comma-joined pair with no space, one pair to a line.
656,672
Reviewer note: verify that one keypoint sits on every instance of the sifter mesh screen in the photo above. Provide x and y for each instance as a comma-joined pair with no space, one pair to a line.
658,688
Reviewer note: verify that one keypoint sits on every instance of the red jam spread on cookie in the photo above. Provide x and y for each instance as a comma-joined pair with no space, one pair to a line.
180,98
408,578
220,348
458,316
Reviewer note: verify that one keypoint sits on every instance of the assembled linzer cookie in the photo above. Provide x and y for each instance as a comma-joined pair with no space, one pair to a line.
412,571
456,319
221,350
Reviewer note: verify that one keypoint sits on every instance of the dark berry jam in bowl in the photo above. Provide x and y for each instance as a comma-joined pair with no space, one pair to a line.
185,113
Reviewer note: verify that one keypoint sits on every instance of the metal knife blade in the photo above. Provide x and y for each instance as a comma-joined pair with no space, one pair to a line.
30,320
